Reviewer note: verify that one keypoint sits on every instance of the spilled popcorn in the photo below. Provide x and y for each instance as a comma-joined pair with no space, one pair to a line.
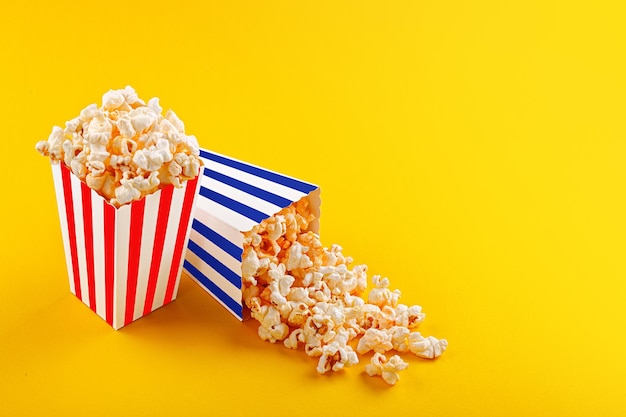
304,294
387,369
125,149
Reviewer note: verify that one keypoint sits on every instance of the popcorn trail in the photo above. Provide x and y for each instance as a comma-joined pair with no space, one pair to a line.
304,294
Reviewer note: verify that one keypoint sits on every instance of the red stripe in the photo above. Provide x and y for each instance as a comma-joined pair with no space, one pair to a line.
85,192
157,249
134,250
71,225
109,259
190,193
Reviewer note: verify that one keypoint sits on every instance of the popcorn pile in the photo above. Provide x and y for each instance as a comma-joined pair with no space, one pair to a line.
304,294
125,149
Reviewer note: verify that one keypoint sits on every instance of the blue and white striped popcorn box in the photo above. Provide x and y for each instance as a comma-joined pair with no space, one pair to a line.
235,196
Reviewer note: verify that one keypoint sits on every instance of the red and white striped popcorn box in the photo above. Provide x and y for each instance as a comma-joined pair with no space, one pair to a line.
235,196
125,262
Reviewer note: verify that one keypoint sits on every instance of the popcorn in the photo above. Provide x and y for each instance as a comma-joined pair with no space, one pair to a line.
305,294
298,314
112,99
373,339
296,257
280,284
294,338
381,295
409,317
336,356
271,328
125,149
153,158
399,338
366,315
388,369
426,347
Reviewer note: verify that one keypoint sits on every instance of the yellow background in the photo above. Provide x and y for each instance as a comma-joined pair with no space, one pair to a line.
473,152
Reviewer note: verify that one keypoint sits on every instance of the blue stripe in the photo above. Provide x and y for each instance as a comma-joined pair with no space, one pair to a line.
222,269
223,243
214,289
293,183
234,205
250,189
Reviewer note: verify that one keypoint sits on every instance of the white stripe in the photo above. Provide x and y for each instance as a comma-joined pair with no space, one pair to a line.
182,256
151,211
221,228
262,183
187,234
214,276
58,188
168,246
98,252
121,277
215,251
232,218
241,196
80,238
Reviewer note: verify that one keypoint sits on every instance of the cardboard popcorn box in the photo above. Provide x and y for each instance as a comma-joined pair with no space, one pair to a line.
125,262
235,196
